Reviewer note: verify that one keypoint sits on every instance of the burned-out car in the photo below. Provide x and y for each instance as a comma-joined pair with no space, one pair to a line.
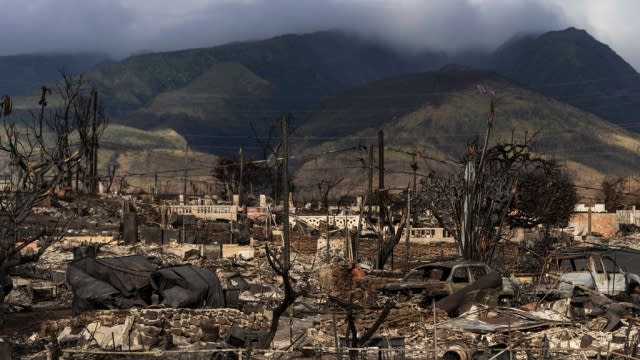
593,270
438,280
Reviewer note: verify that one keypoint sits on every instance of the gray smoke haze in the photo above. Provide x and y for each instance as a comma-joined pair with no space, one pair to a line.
122,27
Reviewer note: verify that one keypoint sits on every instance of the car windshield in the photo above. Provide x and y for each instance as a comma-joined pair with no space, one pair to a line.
572,264
430,273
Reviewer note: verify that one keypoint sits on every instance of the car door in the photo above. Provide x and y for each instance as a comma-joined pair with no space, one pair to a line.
600,276
460,277
616,282
478,271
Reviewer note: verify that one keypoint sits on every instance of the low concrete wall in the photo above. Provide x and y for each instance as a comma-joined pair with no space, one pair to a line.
602,223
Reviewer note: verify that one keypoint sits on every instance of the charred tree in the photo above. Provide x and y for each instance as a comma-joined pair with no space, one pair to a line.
325,186
256,174
499,186
352,338
388,233
90,121
389,242
282,266
69,90
38,169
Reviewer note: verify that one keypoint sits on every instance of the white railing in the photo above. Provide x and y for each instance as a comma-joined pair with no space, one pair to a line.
207,212
334,220
426,235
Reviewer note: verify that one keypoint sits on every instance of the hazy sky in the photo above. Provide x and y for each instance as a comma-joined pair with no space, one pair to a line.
121,27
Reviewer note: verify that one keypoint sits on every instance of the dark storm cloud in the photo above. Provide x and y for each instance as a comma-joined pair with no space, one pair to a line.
121,27
448,25
65,25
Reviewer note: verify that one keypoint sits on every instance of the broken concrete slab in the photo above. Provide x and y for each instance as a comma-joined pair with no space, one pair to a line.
106,337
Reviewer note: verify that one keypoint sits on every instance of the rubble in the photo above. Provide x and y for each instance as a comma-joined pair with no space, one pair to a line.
145,329
163,297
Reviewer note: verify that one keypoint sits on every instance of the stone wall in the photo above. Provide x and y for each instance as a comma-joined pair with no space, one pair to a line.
418,253
144,329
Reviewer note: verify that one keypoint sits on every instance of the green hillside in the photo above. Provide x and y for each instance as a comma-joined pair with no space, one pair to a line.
437,113
219,90
142,155
573,67
331,82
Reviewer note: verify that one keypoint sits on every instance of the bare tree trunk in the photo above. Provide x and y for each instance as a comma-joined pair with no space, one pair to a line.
283,267
353,340
390,243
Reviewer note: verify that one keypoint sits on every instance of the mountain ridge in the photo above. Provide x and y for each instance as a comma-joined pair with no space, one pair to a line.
213,95
443,110
572,66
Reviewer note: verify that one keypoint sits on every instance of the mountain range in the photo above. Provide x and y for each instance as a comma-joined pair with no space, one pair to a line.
573,67
24,74
576,93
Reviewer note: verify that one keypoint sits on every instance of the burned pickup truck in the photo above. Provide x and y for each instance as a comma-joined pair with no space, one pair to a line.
579,270
438,280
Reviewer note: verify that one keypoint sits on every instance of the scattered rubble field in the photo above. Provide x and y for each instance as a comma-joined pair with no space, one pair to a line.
188,295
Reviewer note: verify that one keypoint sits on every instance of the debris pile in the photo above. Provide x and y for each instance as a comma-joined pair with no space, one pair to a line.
146,329
107,296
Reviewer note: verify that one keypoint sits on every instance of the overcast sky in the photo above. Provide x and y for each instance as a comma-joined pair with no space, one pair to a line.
122,27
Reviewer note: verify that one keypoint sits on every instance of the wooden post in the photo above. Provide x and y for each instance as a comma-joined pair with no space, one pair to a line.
335,335
348,253
381,176
240,189
94,145
435,326
186,174
370,187
408,227
590,207
285,190
327,233
381,209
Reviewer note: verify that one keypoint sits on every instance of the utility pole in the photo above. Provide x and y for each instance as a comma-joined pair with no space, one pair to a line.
381,210
381,174
370,189
327,233
590,207
43,104
285,195
94,145
155,185
240,190
186,173
414,167
406,256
